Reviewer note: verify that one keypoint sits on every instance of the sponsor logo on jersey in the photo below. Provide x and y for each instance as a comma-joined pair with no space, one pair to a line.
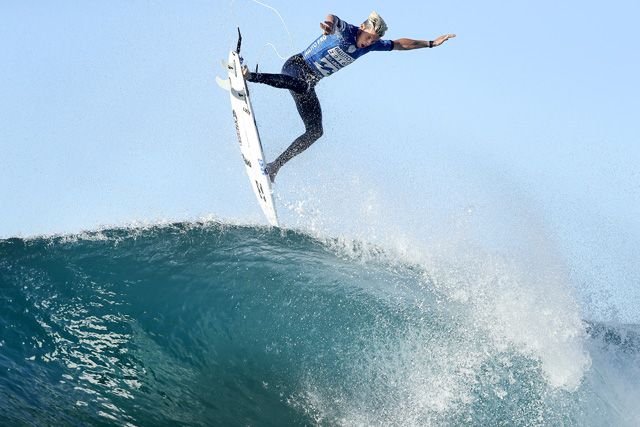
339,55
313,46
325,67
335,59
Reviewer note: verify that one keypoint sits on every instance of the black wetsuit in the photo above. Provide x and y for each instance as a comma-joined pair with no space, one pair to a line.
298,77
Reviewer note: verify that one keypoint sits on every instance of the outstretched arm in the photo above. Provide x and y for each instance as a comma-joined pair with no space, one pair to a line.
409,44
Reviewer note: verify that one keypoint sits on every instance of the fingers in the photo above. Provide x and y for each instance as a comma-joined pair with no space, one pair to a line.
443,38
446,37
327,27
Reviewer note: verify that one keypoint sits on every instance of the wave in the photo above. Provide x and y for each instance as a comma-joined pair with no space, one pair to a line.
210,323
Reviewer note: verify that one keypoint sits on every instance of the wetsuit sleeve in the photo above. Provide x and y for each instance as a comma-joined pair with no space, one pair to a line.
382,45
338,25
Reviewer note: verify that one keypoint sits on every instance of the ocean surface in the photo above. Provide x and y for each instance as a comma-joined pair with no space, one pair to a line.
205,324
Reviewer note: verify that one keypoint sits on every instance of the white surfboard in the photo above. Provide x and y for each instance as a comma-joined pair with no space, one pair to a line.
248,137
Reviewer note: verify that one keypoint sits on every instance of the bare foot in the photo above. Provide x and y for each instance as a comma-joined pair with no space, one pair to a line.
272,172
245,72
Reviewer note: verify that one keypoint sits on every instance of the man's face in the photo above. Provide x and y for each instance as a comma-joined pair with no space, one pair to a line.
366,37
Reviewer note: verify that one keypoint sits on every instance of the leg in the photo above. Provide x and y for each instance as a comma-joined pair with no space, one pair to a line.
309,109
282,81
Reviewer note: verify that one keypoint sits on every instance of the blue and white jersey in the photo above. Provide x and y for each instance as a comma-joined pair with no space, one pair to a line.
331,53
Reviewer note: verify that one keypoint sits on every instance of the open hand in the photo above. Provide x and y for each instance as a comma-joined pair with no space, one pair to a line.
442,39
327,27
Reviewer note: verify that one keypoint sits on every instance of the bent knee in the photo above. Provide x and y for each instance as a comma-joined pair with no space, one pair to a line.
315,132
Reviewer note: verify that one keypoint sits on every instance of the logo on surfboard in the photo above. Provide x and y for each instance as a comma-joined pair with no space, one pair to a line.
235,120
261,191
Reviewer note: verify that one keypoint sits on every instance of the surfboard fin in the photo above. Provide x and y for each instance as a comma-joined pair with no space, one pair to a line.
224,83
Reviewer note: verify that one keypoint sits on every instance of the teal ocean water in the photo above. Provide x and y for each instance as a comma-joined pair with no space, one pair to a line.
206,324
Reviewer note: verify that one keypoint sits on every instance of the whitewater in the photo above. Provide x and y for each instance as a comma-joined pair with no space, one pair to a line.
213,323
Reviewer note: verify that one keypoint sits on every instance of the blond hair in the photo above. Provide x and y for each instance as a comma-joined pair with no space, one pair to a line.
376,23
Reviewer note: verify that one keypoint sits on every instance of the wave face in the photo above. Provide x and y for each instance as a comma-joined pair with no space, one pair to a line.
214,324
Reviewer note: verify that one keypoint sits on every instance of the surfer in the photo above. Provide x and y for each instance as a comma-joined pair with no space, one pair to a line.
339,45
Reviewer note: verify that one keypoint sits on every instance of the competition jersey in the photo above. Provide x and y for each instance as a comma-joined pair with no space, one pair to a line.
328,54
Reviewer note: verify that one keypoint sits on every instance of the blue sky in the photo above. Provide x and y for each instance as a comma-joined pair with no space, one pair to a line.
110,115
